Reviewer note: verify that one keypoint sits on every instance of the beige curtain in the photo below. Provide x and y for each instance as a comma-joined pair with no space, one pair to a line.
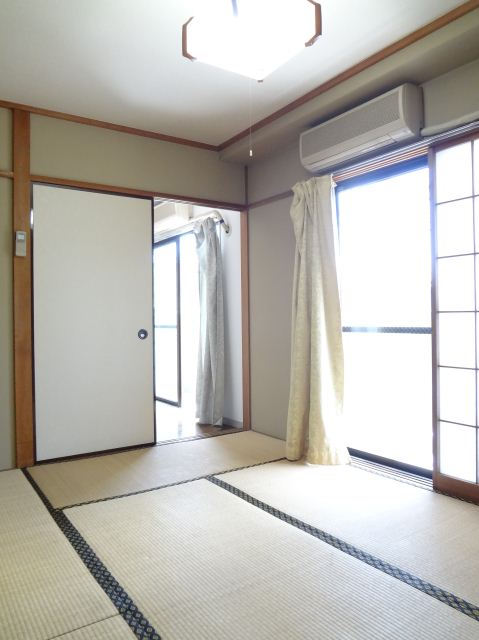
317,369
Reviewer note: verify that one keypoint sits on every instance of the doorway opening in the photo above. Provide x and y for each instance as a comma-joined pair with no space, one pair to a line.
177,318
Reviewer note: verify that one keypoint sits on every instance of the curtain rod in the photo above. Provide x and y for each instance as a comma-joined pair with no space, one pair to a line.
188,226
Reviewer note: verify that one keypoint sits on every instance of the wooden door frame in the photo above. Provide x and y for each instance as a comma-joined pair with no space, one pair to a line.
23,290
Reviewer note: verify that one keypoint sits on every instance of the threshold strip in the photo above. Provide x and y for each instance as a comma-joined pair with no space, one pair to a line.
451,600
421,482
162,486
120,599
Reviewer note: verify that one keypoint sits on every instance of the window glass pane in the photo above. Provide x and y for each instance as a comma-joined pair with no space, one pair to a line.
458,451
387,405
384,232
454,172
165,284
456,335
166,364
457,395
455,228
455,284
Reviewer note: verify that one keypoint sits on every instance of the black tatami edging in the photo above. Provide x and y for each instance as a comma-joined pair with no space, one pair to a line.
118,596
429,589
166,486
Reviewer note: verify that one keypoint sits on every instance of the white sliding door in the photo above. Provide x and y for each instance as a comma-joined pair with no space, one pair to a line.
92,287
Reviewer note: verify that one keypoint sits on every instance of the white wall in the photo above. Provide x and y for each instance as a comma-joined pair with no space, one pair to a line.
231,253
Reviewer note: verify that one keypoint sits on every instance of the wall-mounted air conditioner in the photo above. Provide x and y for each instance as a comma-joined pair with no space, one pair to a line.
393,117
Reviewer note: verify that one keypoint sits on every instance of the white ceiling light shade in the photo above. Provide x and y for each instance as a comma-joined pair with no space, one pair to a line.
251,37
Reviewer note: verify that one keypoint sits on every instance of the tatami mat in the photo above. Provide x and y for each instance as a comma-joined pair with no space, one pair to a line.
78,481
202,563
45,590
424,533
112,629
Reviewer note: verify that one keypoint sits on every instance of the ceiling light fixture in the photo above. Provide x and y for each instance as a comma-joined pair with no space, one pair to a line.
251,37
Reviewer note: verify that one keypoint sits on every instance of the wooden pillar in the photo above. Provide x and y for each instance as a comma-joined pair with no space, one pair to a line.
22,293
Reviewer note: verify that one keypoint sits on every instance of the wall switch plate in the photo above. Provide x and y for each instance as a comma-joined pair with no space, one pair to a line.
20,243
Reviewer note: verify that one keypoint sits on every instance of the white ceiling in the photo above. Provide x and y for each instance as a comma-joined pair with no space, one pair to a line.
120,61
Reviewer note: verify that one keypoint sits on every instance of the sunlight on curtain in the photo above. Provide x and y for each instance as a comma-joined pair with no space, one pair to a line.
317,370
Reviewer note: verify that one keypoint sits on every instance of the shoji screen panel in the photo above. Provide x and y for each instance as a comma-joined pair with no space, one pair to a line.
456,235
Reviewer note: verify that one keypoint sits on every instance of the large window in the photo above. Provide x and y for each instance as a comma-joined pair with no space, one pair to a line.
385,281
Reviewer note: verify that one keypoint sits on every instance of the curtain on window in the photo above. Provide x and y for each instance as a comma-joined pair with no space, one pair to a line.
317,367
210,379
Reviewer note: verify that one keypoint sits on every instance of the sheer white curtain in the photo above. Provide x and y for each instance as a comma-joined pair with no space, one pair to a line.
317,367
210,378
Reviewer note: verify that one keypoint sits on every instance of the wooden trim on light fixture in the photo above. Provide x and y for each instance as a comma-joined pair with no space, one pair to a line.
184,40
318,23
356,69
22,290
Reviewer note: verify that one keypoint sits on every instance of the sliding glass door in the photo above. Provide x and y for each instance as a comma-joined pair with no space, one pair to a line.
456,299
385,280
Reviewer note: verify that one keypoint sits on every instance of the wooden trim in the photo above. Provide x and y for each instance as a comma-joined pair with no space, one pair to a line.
434,360
456,488
6,174
115,189
59,115
22,289
184,40
318,24
245,320
377,57
271,199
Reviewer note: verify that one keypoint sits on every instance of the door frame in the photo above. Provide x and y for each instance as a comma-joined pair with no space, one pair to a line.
174,240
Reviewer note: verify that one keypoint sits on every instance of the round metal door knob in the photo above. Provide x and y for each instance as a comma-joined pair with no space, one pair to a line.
143,334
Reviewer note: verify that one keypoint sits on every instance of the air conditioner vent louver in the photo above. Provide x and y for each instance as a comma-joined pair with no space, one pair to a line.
394,116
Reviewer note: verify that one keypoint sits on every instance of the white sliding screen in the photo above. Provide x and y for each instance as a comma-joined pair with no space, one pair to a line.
456,297
92,287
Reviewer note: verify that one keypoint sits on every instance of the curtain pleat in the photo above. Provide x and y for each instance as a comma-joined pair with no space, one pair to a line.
210,376
314,427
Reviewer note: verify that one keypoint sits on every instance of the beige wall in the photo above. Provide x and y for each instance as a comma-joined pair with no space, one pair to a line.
6,328
80,152
6,307
271,279
451,99
5,139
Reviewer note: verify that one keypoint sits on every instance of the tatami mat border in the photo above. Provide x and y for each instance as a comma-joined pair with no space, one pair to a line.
120,599
429,589
165,486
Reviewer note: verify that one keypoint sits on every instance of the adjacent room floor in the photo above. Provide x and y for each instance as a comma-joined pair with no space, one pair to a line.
223,538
